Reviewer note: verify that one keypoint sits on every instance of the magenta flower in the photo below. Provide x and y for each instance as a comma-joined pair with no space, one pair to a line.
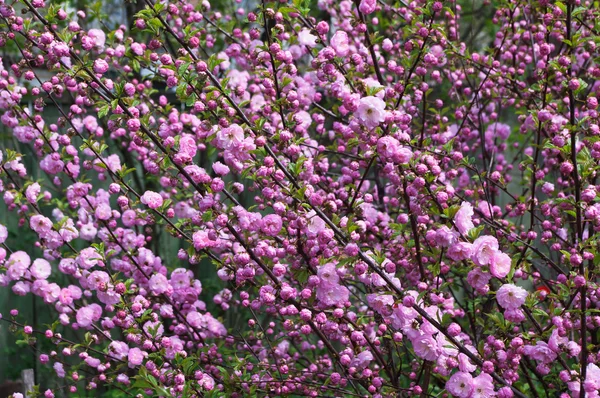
85,316
3,233
367,6
371,111
158,284
460,385
500,265
152,199
135,357
40,269
463,219
340,43
484,249
510,296
271,224
483,386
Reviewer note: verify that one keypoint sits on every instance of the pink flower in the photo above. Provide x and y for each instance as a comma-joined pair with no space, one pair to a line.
460,385
371,111
332,295
510,296
152,199
339,43
17,265
328,274
188,146
592,379
88,258
500,265
103,212
315,224
460,251
478,279
230,136
214,327
40,224
541,352
98,36
135,357
271,225
195,319
100,66
463,218
387,147
305,38
118,349
426,347
445,237
367,6
484,249
60,371
220,169
3,234
85,316
40,269
500,130
32,192
202,241
158,284
92,362
483,386
362,360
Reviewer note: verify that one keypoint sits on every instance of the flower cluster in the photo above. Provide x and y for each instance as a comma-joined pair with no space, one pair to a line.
368,198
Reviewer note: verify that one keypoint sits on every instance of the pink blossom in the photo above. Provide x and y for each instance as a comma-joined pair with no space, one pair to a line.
85,316
484,249
463,218
362,360
40,224
152,199
3,233
541,352
592,380
460,385
367,6
460,251
88,258
478,278
271,224
17,265
135,357
230,136
371,111
305,38
158,284
483,386
510,296
195,319
426,347
99,37
59,369
500,264
100,66
118,349
32,192
201,240
340,43
332,295
40,269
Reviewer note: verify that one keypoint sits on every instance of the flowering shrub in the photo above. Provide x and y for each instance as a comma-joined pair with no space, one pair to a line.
394,206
